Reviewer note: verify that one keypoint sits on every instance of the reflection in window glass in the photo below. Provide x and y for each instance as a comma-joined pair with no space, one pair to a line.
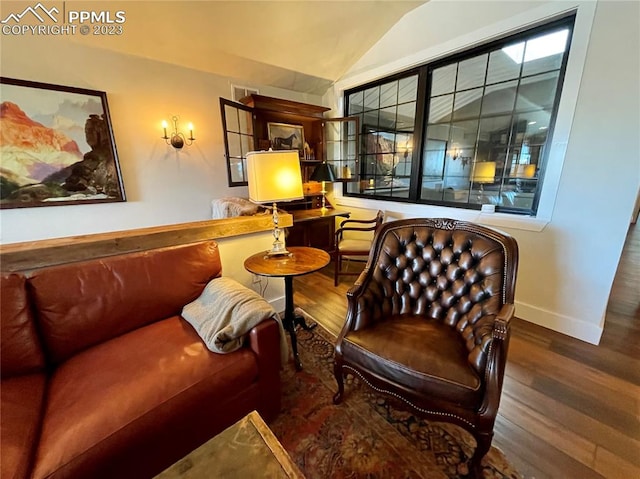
499,99
372,98
231,115
441,109
502,67
467,104
443,80
389,94
471,72
407,89
537,92
485,125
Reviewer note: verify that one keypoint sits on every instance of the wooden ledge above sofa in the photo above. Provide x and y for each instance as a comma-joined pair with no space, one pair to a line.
38,254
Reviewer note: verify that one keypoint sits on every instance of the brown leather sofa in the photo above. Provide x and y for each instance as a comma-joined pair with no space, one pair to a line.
101,377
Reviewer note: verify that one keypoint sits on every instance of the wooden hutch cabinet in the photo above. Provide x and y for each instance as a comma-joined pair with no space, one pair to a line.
250,126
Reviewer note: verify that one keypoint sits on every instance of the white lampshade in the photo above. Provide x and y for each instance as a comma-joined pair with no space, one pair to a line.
274,176
484,172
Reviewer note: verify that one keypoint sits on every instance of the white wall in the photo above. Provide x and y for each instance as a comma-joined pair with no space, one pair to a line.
162,186
569,254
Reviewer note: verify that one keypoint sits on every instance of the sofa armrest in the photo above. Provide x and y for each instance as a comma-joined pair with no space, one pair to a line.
264,340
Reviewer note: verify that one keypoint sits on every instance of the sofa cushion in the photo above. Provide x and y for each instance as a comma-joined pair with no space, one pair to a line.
19,344
21,405
111,407
82,304
437,365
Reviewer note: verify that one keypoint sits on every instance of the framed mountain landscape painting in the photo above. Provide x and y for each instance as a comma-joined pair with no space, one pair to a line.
56,146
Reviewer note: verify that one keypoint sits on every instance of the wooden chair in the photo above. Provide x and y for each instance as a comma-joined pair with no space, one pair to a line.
428,322
349,245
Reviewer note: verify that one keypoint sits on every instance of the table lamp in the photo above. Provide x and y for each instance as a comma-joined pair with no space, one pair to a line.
323,172
484,172
274,176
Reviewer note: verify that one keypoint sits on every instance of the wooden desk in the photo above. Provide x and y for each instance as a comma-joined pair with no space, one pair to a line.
246,449
314,228
302,260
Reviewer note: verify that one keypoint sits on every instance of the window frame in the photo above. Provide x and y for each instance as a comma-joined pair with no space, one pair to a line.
424,84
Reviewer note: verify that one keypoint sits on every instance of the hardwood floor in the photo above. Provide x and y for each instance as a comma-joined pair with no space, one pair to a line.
569,409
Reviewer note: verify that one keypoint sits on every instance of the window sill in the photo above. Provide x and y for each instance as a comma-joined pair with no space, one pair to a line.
394,210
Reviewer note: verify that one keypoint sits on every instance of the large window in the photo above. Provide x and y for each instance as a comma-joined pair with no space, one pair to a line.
468,130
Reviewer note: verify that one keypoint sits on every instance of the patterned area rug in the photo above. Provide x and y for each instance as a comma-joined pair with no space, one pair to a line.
366,436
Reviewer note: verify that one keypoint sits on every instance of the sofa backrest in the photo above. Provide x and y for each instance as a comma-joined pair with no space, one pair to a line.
20,348
81,304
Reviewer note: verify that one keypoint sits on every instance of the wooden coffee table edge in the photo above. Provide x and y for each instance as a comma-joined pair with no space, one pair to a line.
279,452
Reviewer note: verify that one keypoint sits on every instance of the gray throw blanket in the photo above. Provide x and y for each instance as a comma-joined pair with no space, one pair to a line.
226,311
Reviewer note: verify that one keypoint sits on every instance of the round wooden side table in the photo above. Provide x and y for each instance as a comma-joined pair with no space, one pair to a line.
303,260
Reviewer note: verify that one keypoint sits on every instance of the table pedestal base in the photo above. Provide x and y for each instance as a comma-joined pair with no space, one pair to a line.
303,260
291,320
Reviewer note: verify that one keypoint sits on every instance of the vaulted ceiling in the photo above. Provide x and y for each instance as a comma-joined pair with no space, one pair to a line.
296,45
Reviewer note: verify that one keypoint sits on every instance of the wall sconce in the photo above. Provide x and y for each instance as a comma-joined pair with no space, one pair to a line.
408,148
177,139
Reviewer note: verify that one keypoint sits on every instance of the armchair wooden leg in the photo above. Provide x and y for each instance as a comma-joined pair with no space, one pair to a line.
337,372
483,441
336,269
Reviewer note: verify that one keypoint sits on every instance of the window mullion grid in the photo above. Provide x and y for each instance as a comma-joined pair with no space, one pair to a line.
512,128
475,145
419,134
423,104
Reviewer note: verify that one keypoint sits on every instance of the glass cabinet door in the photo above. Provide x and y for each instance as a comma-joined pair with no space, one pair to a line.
238,128
341,147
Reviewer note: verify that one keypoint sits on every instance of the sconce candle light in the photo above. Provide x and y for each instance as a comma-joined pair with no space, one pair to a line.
177,139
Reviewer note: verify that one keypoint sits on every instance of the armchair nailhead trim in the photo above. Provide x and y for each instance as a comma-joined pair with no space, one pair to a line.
391,393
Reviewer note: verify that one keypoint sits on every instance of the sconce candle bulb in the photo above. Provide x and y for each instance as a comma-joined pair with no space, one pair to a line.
177,139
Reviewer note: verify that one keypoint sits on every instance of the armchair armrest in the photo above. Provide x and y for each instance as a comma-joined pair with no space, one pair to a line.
502,321
364,302
362,222
342,229
496,361
372,225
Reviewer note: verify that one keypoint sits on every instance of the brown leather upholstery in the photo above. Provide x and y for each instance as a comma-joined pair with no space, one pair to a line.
19,344
428,321
124,386
347,245
22,399
154,382
83,304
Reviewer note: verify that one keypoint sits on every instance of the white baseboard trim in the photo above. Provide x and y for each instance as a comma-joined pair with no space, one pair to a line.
573,327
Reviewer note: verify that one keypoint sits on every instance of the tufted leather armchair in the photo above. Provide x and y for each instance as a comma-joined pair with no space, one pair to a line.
428,321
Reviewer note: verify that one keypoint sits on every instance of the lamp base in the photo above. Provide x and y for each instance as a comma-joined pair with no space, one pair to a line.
274,254
278,248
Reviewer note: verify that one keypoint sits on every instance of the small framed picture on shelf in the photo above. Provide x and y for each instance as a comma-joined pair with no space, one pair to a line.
284,136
